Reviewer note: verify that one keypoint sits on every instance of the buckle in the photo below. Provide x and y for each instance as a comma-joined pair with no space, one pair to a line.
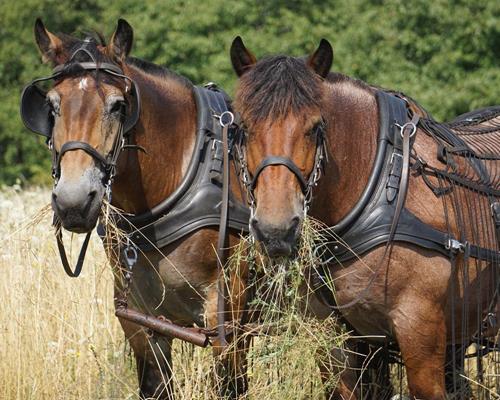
395,154
454,245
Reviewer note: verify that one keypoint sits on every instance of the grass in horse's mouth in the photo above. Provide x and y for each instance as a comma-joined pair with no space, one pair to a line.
280,307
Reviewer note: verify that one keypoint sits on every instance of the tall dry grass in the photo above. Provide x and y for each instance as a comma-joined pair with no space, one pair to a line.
59,338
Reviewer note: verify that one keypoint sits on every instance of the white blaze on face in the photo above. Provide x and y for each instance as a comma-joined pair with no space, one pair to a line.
83,85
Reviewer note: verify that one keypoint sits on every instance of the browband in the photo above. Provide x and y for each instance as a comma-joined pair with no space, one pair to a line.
90,65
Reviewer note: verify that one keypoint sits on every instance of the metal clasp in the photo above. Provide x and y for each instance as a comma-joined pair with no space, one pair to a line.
130,257
108,189
454,245
226,118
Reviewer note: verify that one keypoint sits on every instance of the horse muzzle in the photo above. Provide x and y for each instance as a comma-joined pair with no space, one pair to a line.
77,203
278,241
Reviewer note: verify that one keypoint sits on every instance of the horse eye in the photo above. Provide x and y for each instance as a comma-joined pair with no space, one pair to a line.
116,106
314,130
54,107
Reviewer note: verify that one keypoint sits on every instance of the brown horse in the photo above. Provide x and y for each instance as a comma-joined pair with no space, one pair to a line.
178,281
296,115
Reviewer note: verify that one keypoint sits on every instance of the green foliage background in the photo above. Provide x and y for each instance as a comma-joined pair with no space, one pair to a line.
444,53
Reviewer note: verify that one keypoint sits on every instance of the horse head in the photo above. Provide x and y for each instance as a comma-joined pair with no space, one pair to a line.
279,100
87,110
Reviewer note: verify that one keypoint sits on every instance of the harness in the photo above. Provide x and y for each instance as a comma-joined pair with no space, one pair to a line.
196,203
369,223
375,219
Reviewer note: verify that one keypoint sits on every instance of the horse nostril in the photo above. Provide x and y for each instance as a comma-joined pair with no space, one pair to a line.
92,194
294,223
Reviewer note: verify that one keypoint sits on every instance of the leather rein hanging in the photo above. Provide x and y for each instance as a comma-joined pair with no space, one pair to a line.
226,120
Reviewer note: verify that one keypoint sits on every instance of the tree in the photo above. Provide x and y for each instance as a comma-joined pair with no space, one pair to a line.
442,53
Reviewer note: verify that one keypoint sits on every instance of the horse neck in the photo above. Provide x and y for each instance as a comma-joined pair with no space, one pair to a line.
166,130
352,121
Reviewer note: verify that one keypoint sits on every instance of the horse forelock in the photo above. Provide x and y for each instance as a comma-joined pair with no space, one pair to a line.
95,46
277,87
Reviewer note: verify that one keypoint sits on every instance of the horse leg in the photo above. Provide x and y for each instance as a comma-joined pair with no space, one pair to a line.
340,364
421,334
154,362
231,369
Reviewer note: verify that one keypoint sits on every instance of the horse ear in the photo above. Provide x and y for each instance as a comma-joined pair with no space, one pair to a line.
321,60
241,57
49,44
121,41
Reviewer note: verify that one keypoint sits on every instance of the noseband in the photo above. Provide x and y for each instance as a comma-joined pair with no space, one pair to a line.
306,183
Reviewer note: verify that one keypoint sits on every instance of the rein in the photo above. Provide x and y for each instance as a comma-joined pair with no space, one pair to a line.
226,119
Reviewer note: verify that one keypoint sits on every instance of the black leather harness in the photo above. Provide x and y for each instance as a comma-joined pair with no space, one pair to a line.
368,224
196,203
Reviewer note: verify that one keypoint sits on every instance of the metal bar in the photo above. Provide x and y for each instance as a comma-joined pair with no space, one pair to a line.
164,327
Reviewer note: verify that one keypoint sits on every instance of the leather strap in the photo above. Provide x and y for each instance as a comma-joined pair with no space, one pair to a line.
223,239
407,131
77,145
285,161
89,65
64,259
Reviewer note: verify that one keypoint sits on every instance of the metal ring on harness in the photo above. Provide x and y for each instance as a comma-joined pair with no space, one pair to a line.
406,125
226,118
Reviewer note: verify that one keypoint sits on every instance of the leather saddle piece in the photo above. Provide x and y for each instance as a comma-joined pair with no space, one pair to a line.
196,202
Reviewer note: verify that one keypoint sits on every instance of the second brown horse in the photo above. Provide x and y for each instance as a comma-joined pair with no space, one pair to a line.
412,295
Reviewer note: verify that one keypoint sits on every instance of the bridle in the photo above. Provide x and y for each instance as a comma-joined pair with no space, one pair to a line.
38,116
306,184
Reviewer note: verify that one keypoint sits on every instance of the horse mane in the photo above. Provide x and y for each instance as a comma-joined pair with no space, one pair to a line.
158,71
277,86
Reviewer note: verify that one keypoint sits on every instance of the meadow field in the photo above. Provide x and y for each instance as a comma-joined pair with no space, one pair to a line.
60,339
